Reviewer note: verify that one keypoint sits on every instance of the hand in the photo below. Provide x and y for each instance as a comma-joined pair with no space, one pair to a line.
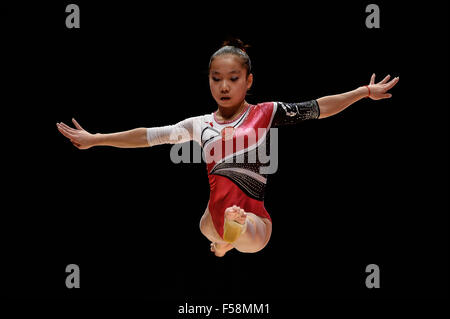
378,91
79,137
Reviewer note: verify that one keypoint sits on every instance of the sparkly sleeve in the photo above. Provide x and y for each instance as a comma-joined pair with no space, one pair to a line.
293,113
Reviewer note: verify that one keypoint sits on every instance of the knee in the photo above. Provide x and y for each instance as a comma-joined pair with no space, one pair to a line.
259,240
249,250
205,226
254,247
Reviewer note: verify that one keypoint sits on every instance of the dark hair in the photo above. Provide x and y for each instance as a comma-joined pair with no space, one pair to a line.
236,47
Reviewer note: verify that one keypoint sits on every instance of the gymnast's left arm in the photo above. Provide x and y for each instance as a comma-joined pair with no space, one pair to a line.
333,104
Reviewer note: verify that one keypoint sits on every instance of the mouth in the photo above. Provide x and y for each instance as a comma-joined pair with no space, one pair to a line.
225,98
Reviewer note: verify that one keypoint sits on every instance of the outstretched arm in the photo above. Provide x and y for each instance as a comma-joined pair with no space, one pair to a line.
333,104
82,139
139,137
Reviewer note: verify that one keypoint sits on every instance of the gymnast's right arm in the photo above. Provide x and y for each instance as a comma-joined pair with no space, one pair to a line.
139,137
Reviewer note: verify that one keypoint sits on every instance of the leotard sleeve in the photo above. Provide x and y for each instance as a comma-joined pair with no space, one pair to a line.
293,113
184,131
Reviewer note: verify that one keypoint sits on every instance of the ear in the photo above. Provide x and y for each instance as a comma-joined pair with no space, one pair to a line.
249,81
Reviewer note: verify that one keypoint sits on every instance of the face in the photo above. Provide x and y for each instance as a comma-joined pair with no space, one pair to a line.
228,80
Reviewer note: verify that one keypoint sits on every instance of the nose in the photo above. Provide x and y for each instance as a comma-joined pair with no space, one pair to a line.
224,87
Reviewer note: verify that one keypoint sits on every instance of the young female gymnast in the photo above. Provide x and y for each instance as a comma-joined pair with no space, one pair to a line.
235,216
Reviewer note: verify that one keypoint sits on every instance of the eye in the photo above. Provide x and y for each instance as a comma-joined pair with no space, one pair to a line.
234,79
215,79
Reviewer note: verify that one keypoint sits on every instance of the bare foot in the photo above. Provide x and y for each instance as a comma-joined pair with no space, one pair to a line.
234,223
236,213
220,249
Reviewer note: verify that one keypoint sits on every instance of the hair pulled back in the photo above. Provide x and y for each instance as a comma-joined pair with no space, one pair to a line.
237,48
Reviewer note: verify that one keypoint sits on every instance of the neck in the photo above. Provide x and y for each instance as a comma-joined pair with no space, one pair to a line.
228,113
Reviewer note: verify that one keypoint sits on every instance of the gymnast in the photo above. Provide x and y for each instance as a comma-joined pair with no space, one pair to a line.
235,216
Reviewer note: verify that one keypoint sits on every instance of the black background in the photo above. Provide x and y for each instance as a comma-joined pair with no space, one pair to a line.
368,185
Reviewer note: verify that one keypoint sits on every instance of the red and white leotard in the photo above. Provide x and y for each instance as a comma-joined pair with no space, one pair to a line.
233,178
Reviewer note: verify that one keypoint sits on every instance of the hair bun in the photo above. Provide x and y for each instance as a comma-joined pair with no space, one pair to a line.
235,42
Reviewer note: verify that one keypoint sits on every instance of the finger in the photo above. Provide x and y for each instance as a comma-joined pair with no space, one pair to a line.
386,96
76,144
385,79
68,128
372,79
64,132
391,84
78,126
69,135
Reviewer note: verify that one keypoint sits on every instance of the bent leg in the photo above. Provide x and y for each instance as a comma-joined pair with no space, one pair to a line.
208,230
255,236
218,246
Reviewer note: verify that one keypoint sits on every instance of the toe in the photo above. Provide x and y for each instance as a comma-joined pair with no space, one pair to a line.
231,213
229,210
